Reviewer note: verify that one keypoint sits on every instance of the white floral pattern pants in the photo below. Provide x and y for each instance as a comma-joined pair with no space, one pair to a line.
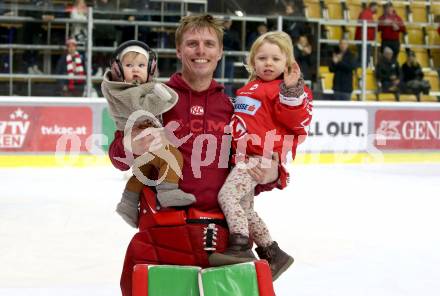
236,199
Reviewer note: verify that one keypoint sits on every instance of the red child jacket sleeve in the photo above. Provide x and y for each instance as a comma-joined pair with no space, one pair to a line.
294,109
280,183
116,150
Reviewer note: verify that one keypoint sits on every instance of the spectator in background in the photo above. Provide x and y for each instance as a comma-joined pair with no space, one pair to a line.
412,76
261,29
78,12
390,26
157,37
103,35
343,64
132,5
388,72
256,6
4,64
139,9
6,37
303,56
368,15
72,64
34,33
295,28
104,5
231,41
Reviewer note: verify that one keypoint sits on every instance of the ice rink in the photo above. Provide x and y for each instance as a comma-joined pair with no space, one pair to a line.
353,229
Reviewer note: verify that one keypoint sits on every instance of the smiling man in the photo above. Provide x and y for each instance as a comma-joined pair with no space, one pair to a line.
199,48
202,113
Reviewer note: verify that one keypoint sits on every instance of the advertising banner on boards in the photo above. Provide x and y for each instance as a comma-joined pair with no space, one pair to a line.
337,130
38,129
408,129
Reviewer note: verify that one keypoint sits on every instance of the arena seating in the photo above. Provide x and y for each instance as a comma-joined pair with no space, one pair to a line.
421,37
313,9
338,19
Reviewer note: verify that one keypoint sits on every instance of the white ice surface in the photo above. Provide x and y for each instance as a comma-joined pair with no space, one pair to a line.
353,230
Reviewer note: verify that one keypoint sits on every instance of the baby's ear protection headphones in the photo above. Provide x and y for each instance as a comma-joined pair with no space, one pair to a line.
116,65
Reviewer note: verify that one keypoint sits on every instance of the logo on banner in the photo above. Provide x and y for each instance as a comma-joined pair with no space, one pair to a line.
238,127
13,131
408,129
389,130
246,105
420,130
197,110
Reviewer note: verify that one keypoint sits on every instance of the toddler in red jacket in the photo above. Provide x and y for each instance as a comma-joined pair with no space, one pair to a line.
270,113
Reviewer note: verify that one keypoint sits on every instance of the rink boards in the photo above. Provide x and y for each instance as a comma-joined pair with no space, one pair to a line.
39,131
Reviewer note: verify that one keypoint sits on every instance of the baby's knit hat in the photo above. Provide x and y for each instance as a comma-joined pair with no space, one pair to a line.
134,48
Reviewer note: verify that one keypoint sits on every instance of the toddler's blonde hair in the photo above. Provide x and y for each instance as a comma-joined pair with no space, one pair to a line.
281,39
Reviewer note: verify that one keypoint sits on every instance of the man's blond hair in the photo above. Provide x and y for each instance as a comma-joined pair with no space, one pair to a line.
198,22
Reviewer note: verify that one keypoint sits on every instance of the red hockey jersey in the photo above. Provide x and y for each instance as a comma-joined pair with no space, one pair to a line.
266,121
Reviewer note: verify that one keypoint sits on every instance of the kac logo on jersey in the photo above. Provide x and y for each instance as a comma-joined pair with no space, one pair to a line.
197,110
238,127
254,87
246,105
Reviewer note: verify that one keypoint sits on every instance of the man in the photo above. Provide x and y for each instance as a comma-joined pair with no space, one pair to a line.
202,112
303,56
368,15
390,26
297,26
342,65
35,34
388,72
261,29
72,63
412,76
231,41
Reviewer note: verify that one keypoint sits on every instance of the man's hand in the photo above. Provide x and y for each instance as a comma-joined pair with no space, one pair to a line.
264,174
292,75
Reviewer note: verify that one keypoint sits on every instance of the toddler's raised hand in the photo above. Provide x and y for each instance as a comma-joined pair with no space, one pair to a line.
291,76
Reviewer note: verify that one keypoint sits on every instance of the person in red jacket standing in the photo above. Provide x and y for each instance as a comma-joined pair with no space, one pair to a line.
390,26
368,15
271,112
198,123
